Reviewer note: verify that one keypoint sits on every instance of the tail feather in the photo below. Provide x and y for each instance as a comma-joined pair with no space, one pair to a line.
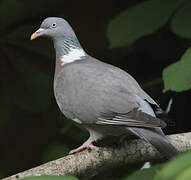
156,137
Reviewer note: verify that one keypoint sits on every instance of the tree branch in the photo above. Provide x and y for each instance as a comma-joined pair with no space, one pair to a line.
87,164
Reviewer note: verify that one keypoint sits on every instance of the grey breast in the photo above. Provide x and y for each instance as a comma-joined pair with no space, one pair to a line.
87,88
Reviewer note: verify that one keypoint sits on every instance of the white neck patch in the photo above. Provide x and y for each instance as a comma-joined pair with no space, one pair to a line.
73,55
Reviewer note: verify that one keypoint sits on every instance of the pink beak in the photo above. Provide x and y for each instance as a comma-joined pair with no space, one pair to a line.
37,33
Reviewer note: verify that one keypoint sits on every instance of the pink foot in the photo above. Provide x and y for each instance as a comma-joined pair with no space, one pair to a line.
86,145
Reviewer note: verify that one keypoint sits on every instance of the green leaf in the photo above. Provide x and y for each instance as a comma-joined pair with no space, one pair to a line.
140,20
176,168
177,76
180,23
51,178
185,175
145,174
55,151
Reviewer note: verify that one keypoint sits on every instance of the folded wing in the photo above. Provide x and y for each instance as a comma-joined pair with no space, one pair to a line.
134,118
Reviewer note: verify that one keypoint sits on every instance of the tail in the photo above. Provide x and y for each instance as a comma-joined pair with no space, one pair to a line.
156,137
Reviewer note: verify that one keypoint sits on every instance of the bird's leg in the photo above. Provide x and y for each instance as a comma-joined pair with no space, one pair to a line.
87,144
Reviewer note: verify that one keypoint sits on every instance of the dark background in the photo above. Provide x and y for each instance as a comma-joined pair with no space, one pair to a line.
32,129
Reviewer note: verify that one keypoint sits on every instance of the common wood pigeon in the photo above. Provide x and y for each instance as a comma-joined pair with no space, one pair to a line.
101,98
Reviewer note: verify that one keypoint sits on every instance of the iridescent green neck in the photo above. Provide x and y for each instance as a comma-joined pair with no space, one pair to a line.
68,50
64,46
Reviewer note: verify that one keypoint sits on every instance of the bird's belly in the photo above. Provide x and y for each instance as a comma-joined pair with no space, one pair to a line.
100,131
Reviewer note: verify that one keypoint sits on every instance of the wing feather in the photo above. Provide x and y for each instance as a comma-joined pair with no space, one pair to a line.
135,118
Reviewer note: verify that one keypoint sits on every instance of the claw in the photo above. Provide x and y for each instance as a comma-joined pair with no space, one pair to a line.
86,145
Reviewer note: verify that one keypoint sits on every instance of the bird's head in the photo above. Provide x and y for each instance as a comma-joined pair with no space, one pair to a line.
55,28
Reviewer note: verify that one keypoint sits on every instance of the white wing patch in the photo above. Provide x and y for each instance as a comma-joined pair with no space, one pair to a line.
145,107
77,120
73,55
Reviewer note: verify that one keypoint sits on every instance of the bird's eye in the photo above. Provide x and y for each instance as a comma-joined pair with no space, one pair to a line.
54,25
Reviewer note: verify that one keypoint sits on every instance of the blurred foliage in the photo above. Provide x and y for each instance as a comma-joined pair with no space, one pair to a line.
180,23
145,174
177,76
2,174
144,37
127,27
51,178
178,168
140,20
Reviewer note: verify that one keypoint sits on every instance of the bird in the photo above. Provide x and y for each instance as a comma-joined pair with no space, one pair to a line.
99,97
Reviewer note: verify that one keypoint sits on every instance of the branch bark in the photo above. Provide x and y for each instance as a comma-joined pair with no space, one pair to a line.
87,164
